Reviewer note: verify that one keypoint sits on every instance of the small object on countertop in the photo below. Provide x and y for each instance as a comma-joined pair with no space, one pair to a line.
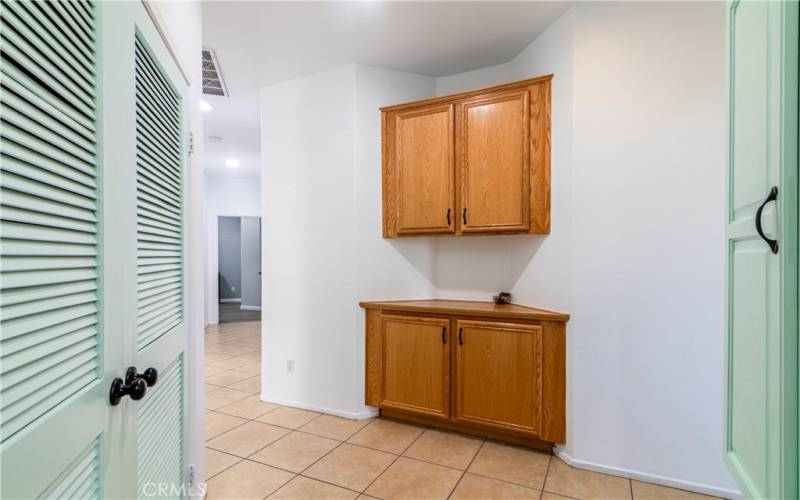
502,298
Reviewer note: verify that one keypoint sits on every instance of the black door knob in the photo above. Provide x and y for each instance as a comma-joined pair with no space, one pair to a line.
119,389
150,376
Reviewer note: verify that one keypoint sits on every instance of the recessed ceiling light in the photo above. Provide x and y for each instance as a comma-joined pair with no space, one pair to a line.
205,106
232,163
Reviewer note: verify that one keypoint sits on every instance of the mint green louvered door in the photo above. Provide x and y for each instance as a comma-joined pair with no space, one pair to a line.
53,368
92,159
145,117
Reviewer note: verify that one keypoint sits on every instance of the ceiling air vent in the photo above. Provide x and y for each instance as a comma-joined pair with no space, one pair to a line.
213,83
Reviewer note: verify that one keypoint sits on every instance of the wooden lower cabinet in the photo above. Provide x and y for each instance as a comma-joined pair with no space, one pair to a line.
494,370
499,375
416,365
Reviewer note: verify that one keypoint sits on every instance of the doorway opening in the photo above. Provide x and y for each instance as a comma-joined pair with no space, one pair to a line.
239,264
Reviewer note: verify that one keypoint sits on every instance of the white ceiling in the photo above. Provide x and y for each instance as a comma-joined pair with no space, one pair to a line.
261,43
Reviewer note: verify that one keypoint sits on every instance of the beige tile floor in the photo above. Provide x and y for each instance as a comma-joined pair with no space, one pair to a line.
257,450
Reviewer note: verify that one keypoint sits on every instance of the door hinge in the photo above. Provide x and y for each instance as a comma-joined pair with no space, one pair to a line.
191,144
190,474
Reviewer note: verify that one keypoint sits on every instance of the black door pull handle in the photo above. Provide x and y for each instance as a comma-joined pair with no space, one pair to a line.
460,336
464,215
448,216
773,195
119,389
444,335
150,376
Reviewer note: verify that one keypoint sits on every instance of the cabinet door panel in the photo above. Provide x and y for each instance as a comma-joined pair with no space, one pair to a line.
499,375
416,365
494,150
425,170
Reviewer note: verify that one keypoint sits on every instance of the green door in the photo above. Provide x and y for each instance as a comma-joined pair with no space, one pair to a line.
761,360
92,155
145,104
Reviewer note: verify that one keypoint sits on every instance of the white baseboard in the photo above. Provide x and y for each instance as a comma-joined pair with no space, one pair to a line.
648,478
303,406
250,308
225,301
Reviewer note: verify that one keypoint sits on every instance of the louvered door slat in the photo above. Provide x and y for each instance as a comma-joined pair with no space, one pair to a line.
81,95
11,75
44,115
159,199
38,162
53,193
50,12
156,102
33,307
43,147
157,78
157,279
23,169
18,17
160,431
146,156
87,35
31,13
81,479
49,346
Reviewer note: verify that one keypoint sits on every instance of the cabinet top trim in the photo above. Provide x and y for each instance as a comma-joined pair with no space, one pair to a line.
469,93
467,307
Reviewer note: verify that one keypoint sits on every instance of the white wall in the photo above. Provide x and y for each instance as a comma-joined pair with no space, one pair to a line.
310,220
225,196
475,79
649,191
182,25
321,155
635,252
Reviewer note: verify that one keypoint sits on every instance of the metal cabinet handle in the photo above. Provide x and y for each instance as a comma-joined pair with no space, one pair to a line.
773,195
460,336
448,216
464,215
444,335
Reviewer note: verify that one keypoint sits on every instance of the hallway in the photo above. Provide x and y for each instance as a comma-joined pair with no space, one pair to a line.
231,312
258,450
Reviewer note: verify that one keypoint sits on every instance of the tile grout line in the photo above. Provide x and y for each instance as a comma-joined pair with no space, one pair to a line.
396,458
630,485
464,472
546,473
226,468
331,451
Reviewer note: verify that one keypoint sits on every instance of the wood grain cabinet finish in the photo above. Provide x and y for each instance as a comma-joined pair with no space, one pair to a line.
416,364
493,135
425,177
499,375
493,370
477,162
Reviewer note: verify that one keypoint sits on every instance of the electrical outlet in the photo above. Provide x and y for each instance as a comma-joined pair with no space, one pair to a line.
233,289
290,366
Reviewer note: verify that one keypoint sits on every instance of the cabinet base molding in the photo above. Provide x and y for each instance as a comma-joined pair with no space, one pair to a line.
527,442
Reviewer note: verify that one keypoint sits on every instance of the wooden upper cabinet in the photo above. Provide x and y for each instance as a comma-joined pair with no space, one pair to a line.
476,162
493,134
424,158
416,365
499,375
